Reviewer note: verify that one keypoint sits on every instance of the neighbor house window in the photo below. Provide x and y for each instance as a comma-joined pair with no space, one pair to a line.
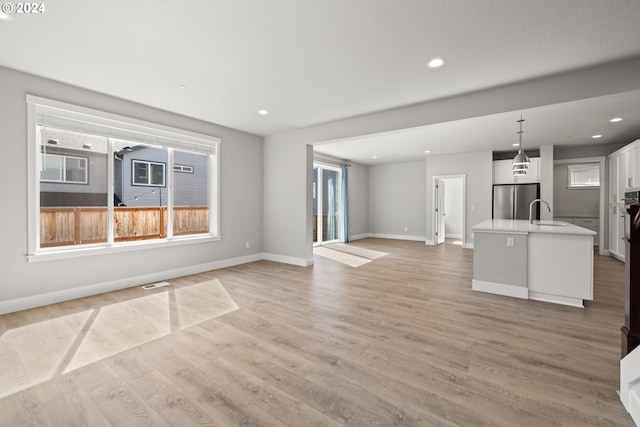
148,173
584,175
59,168
126,197
183,168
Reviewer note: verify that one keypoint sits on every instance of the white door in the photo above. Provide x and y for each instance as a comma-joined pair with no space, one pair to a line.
439,213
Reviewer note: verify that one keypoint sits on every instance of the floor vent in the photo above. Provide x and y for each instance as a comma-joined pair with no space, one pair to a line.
156,285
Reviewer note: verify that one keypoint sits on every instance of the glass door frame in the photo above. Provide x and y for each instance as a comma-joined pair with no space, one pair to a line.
318,192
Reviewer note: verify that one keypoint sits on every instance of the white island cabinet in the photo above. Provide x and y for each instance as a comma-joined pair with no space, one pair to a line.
547,260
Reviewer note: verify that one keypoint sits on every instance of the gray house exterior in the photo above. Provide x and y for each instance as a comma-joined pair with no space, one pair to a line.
190,174
190,177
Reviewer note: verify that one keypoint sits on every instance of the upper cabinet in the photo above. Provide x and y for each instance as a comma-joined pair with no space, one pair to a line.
503,172
624,171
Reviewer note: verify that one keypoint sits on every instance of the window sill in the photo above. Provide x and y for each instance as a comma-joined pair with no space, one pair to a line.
70,252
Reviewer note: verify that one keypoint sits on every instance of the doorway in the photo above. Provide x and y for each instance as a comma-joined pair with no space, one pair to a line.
449,219
326,204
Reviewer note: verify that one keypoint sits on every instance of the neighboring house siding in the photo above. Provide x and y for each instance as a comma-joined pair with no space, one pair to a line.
191,189
94,193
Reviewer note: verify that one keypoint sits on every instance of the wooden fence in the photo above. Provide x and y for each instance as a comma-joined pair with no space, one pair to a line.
65,226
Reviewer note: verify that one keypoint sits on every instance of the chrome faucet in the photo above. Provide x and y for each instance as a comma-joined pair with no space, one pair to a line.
531,209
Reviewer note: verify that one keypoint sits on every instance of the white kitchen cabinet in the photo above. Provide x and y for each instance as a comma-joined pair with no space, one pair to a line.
614,194
616,231
503,172
624,173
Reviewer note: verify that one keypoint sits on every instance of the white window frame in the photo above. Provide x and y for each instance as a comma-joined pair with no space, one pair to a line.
97,122
63,172
582,167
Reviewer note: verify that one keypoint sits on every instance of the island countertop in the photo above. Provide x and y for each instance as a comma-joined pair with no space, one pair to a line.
523,226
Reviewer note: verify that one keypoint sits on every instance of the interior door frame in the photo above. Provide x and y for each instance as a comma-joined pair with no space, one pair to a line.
434,223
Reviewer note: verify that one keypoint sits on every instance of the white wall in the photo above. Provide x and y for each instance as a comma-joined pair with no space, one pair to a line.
397,200
478,168
453,207
358,199
23,284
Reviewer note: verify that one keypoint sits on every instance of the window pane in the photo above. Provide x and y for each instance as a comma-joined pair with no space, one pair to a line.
73,205
140,173
51,169
584,175
157,174
140,204
191,194
75,170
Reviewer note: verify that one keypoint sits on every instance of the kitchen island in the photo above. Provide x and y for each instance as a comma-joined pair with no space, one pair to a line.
547,260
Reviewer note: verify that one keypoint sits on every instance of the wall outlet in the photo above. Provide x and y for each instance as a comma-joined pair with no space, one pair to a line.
247,245
510,242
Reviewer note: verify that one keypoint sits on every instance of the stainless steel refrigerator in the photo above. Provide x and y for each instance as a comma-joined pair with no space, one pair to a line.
511,201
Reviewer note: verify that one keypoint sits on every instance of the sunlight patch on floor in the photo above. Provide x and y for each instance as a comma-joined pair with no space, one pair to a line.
203,301
76,340
348,255
21,349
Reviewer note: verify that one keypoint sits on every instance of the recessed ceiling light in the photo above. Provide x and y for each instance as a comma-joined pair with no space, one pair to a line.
263,112
427,151
183,86
374,157
596,136
616,119
515,144
435,63
5,16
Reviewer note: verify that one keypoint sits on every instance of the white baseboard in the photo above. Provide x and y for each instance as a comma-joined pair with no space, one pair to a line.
358,237
398,237
500,289
557,299
301,262
453,236
430,242
467,245
24,303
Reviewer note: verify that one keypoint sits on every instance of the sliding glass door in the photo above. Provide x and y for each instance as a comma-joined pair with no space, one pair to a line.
326,204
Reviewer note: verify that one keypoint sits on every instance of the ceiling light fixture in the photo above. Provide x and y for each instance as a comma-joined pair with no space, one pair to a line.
427,151
616,119
183,87
520,161
374,157
596,136
435,63
263,112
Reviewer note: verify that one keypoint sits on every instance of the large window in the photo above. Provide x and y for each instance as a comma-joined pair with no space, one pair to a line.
99,182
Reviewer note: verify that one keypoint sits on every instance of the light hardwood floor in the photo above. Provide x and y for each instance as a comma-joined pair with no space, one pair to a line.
398,340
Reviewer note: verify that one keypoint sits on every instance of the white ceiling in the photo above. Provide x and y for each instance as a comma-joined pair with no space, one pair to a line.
311,62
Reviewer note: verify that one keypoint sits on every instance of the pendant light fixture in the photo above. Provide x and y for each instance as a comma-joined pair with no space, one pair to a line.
520,161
